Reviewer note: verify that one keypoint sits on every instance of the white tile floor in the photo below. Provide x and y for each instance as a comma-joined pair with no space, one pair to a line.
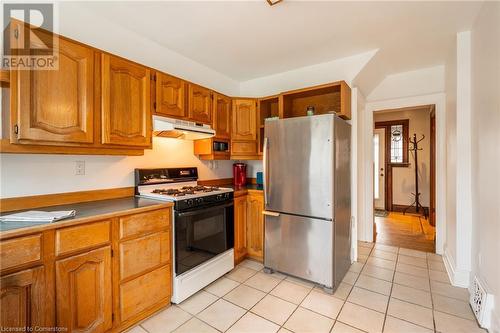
390,289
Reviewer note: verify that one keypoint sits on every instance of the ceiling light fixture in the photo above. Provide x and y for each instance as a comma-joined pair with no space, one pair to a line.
273,2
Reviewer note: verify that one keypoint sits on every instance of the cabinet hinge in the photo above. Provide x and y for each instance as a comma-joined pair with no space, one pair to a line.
16,129
154,105
112,317
153,77
112,253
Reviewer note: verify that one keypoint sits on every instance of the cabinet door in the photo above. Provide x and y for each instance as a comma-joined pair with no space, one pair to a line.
22,300
83,291
56,106
170,96
255,226
200,104
141,254
244,119
222,116
126,118
240,228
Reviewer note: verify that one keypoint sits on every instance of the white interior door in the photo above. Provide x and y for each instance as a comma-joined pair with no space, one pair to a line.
379,168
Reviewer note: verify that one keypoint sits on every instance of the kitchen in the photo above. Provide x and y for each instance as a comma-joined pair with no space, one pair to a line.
196,208
221,128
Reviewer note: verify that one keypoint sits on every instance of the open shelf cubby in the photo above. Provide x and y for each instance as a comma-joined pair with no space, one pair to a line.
334,97
268,107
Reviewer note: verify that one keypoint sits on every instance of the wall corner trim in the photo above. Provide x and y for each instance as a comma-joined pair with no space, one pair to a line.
495,322
458,277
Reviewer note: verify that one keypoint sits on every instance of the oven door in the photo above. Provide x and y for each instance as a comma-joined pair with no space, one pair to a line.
201,234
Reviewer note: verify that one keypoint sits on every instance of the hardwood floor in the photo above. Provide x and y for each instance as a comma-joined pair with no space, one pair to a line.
408,231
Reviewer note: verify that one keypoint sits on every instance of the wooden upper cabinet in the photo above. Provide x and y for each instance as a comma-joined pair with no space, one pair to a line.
244,119
126,117
255,226
55,106
222,116
22,300
83,291
170,96
200,104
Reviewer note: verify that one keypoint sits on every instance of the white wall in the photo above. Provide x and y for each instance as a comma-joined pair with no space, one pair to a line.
357,107
486,152
30,174
77,22
414,83
459,202
341,69
451,156
403,178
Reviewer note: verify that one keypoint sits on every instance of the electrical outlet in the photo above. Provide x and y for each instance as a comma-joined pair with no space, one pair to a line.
80,168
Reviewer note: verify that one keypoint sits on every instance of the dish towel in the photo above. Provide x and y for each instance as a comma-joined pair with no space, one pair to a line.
37,216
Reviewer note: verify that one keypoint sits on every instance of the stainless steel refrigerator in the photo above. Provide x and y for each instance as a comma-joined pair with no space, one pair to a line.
307,198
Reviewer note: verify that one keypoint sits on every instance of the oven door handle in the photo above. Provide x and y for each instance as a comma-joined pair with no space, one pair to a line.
207,209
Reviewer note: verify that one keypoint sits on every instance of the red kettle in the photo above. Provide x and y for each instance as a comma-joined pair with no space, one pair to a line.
239,174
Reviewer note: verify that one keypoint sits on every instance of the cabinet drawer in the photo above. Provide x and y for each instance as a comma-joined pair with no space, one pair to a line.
82,237
143,223
244,147
20,251
145,291
140,254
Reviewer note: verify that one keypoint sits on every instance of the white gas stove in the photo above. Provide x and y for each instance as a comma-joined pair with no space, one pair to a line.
203,226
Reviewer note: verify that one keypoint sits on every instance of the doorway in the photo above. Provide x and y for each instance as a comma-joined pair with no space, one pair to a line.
404,177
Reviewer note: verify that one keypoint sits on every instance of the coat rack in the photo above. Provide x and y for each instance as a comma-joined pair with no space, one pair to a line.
415,149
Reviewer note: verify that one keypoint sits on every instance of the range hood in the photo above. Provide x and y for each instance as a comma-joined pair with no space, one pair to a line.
181,129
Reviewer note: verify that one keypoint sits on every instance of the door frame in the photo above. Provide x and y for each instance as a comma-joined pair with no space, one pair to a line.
432,166
381,163
366,164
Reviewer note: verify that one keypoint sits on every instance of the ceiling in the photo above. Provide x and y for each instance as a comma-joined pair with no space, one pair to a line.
250,39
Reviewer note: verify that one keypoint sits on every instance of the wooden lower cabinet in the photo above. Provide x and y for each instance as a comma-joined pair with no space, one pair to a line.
240,228
83,291
141,254
255,226
22,300
249,227
145,292
100,276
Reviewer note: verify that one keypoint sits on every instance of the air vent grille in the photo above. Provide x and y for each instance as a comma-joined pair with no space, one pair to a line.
481,303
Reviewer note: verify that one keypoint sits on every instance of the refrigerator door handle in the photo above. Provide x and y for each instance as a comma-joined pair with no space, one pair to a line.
268,213
265,170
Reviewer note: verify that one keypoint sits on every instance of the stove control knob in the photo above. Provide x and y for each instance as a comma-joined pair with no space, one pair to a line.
189,202
226,195
219,197
199,200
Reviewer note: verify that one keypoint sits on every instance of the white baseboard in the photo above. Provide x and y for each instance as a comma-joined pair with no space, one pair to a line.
495,322
458,278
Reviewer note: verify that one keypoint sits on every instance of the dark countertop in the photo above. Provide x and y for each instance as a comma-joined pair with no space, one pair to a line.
85,212
242,190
